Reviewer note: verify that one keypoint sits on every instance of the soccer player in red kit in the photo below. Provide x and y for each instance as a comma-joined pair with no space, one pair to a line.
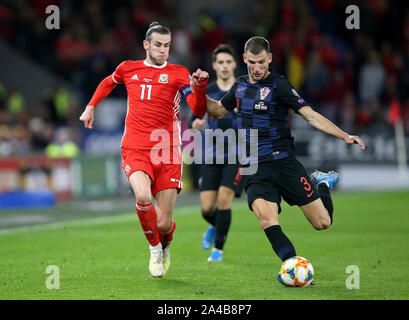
155,88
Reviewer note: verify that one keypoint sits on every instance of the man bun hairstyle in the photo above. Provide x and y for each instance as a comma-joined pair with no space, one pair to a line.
223,48
158,28
257,44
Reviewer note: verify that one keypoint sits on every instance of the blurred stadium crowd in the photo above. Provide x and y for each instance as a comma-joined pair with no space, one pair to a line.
351,76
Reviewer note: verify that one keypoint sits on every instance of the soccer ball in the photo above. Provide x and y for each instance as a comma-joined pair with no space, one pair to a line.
296,272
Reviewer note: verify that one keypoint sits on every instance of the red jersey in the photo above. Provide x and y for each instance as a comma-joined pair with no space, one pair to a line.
154,96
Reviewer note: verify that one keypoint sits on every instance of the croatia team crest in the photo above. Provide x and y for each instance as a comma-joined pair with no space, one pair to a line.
163,78
264,93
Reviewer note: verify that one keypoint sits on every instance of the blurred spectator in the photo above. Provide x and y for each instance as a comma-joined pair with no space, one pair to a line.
295,69
16,102
400,73
3,97
41,134
371,78
405,33
328,53
387,57
325,11
13,139
348,112
281,41
6,16
58,104
72,47
378,116
349,75
348,69
288,14
97,68
264,12
211,35
62,146
20,132
333,96
182,45
123,32
316,78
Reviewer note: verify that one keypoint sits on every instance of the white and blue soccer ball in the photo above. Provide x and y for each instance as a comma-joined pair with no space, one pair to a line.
296,272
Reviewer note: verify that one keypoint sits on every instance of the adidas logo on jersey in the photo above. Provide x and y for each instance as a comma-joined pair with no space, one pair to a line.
135,77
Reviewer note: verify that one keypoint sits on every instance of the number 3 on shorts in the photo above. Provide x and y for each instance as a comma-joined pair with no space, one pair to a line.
307,186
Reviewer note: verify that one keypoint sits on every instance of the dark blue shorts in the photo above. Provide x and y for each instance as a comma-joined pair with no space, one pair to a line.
284,178
215,175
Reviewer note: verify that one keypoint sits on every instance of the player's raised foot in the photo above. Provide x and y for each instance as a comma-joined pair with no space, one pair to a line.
215,256
208,238
166,260
330,178
156,261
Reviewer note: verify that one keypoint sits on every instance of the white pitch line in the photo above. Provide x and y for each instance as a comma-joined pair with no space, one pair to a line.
183,211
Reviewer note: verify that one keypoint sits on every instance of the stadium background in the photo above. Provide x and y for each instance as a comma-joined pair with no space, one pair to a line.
359,79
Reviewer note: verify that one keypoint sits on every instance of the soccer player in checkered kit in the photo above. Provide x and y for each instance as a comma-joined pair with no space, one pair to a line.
263,99
155,88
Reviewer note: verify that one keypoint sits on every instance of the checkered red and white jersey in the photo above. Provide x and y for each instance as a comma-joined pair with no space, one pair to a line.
154,96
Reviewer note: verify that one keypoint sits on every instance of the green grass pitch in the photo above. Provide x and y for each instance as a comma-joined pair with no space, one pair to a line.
107,257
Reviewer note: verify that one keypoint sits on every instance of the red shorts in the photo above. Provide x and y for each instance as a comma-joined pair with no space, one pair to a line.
164,169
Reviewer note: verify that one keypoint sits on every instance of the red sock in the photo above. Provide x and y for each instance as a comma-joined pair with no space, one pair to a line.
166,237
148,219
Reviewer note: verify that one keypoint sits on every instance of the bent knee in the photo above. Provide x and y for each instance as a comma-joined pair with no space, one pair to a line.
207,207
223,203
143,195
207,210
144,198
322,224
164,224
163,219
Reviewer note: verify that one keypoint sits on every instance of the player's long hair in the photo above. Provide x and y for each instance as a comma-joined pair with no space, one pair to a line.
158,28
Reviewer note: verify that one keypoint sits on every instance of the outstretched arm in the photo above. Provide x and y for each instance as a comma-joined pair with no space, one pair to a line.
321,123
102,91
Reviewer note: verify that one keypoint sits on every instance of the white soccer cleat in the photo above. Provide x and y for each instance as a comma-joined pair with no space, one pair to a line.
156,261
166,260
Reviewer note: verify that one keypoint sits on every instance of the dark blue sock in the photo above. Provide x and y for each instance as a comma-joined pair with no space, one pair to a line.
223,221
281,244
210,217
